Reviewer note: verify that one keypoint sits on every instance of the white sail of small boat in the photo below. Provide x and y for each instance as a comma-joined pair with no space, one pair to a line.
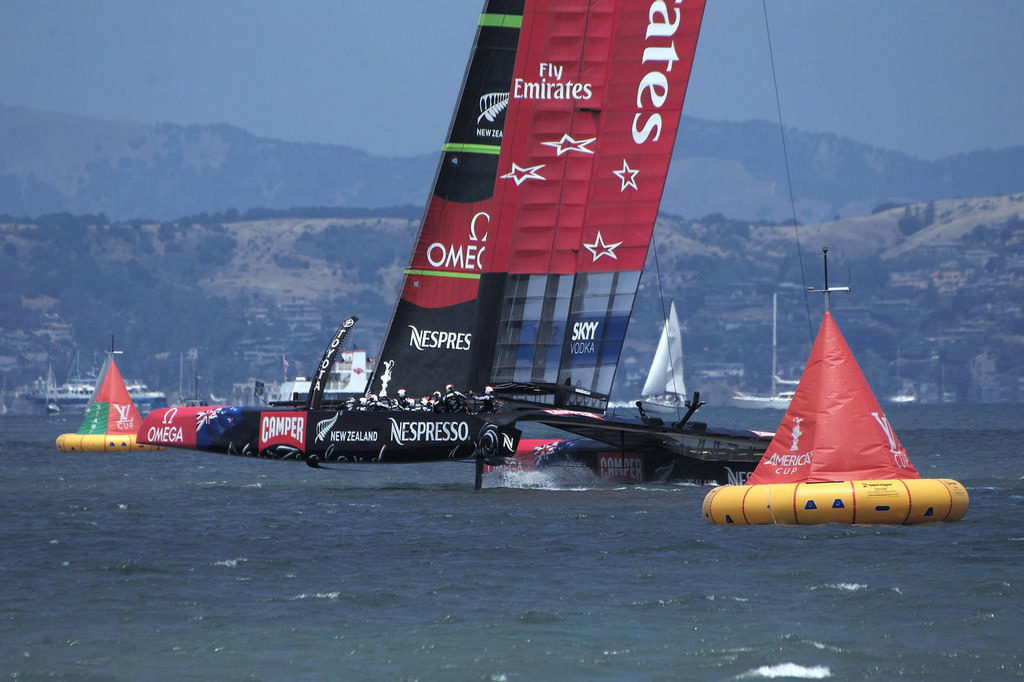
778,400
51,389
664,392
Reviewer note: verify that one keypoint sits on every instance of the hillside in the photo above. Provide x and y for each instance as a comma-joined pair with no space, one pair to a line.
51,163
938,291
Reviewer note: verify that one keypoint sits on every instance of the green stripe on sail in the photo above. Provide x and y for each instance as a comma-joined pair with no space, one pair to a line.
95,419
494,149
437,273
501,20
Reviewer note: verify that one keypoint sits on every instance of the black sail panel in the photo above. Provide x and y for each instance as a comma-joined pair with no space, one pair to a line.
430,334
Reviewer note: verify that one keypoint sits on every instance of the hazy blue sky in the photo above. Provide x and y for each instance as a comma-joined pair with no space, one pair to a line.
927,77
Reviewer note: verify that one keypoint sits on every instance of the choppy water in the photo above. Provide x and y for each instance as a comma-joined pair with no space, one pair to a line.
176,565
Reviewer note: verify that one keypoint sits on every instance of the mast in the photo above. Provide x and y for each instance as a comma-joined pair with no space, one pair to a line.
775,342
827,290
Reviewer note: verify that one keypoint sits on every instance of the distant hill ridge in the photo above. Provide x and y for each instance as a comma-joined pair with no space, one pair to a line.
51,162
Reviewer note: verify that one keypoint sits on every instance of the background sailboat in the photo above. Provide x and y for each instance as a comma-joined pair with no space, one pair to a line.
664,392
778,400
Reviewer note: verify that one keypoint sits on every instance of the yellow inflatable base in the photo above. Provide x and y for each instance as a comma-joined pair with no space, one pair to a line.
911,500
101,442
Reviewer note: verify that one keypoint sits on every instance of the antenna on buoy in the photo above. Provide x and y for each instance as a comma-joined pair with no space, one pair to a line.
827,290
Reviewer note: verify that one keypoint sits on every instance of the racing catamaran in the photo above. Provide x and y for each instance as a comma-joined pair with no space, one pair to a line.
528,258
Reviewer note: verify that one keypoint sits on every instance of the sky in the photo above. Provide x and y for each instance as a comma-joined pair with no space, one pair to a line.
930,78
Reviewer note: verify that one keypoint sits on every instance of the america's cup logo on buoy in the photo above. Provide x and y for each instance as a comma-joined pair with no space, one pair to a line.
797,432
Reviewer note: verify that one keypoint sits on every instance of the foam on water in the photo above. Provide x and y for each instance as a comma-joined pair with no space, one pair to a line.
788,671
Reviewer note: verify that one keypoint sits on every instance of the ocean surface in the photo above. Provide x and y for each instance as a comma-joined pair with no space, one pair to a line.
177,565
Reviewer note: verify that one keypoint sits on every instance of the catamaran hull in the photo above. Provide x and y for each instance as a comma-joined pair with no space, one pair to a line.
609,464
315,436
629,450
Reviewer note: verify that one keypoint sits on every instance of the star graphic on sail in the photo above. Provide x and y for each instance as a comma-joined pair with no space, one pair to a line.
599,248
568,144
521,175
628,176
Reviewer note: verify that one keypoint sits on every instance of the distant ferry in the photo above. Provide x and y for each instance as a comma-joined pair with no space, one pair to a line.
347,379
75,395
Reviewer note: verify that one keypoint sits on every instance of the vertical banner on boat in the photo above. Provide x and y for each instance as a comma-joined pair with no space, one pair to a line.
323,371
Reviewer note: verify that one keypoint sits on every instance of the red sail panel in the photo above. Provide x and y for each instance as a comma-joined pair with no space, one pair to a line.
595,104
834,429
447,261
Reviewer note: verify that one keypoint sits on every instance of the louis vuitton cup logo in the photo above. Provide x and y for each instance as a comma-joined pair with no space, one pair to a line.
124,416
899,455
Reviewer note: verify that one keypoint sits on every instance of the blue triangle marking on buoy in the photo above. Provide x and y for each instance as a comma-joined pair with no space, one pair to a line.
810,505
838,504
930,512
728,519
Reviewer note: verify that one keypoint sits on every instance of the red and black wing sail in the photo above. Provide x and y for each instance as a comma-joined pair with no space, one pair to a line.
431,330
531,248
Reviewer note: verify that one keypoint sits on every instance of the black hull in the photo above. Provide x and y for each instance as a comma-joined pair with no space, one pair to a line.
625,450
567,458
315,436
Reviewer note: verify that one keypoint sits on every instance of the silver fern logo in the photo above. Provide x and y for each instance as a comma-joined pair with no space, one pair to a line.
492,105
324,427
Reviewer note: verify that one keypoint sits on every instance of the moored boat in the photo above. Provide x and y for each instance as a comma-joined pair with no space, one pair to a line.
74,395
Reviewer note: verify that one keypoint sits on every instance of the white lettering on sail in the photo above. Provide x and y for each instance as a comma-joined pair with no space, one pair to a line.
461,256
653,87
584,331
551,86
441,340
583,337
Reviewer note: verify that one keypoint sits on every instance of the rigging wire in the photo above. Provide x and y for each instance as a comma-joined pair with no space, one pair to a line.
664,312
789,179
